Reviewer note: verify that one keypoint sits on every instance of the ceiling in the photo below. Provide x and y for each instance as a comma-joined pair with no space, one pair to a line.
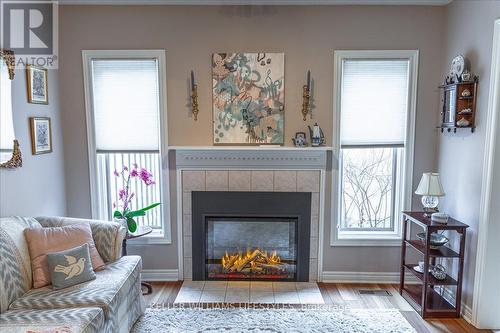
258,2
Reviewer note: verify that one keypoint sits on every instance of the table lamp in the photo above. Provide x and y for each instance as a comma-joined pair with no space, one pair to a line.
430,189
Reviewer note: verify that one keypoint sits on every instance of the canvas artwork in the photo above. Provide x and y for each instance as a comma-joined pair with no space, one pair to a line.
41,136
248,98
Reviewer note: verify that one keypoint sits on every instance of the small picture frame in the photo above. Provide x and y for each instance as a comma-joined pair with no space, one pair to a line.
38,90
41,135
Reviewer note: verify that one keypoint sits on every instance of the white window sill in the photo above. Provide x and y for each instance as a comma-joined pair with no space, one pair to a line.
156,237
360,238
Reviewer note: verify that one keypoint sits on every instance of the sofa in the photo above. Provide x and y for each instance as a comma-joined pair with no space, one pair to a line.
110,303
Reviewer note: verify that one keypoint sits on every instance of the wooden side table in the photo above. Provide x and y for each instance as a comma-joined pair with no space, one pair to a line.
424,298
141,231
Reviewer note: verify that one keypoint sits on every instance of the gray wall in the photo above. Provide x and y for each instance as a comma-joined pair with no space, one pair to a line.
307,35
38,187
468,31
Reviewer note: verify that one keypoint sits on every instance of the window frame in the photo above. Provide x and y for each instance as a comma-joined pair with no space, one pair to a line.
163,236
373,238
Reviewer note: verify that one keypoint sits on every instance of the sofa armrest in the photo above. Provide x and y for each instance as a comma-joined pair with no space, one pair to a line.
108,236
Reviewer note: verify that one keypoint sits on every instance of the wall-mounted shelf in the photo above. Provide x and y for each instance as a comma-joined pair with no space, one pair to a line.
458,106
454,128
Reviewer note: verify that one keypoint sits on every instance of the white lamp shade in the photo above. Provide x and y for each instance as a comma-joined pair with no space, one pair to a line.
430,185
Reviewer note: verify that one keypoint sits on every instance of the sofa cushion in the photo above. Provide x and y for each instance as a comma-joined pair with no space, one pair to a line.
108,236
70,267
84,320
46,240
110,288
15,263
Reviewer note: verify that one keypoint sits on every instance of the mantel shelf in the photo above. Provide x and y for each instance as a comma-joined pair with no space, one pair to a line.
251,157
247,148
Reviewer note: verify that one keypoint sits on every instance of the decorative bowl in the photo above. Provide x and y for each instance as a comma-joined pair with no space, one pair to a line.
437,240
439,272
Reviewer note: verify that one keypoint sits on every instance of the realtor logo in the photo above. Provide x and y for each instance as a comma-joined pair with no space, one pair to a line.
29,28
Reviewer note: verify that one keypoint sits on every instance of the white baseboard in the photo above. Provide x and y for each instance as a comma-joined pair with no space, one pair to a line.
365,277
160,274
331,276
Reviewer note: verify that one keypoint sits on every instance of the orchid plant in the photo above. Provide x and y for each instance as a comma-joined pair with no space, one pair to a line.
125,196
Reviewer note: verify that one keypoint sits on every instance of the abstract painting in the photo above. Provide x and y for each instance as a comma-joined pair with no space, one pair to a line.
248,98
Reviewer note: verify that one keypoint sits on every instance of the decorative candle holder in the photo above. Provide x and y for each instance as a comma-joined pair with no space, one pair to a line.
194,101
305,101
306,95
194,97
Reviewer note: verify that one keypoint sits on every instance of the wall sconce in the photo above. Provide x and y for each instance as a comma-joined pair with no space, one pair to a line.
194,97
306,95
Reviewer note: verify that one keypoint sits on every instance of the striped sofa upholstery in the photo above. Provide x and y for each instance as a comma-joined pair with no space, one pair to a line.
110,303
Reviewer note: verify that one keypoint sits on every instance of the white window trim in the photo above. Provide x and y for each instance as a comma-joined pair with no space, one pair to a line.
360,238
156,237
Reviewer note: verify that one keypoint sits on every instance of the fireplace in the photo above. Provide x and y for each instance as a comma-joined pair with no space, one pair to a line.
261,248
251,235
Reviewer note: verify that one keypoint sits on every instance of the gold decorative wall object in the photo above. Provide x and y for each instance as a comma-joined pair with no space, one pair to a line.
16,161
306,95
194,98
10,60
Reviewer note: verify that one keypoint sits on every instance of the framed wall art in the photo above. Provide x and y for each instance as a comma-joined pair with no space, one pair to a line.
36,78
41,135
248,91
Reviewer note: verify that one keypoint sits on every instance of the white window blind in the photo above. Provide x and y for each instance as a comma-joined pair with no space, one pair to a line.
374,102
126,104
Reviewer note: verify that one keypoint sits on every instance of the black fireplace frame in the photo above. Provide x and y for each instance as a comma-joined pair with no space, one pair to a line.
212,204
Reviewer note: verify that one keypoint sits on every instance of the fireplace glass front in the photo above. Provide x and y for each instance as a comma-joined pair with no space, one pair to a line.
251,248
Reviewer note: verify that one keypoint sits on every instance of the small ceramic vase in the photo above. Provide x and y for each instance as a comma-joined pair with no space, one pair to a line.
462,122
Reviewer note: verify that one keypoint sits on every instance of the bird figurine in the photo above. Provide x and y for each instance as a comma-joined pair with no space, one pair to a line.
74,267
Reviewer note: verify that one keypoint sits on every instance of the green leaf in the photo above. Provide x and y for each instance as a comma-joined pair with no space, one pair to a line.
150,206
117,214
132,226
136,213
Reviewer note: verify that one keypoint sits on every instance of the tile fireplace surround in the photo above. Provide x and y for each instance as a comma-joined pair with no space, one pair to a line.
251,169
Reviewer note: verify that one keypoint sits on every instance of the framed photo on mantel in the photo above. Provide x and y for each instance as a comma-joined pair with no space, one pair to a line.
41,135
36,78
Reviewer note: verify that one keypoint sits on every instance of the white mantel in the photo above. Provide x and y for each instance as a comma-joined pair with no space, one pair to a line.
263,147
251,157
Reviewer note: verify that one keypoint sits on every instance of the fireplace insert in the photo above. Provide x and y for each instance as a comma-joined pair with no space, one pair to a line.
263,248
251,235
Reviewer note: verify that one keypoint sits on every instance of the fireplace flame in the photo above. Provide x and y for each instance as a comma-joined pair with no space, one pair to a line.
256,261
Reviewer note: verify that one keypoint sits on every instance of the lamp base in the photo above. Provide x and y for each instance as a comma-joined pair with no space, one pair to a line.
430,204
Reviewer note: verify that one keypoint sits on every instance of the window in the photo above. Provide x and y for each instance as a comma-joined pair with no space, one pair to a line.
124,110
375,111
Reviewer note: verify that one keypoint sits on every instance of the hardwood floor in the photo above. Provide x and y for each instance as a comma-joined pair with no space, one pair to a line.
348,295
